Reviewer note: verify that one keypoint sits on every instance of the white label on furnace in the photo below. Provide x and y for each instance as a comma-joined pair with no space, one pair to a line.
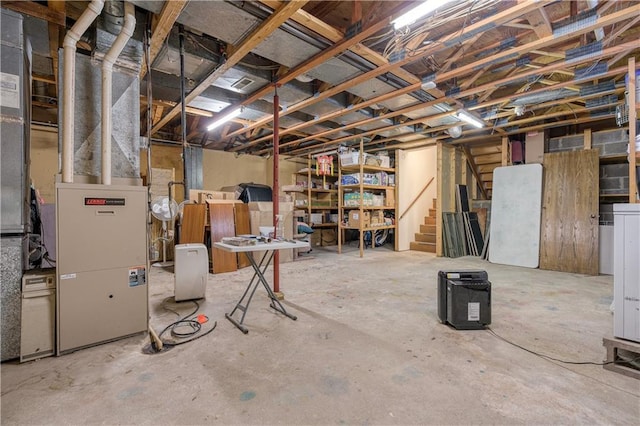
67,276
9,90
453,275
473,311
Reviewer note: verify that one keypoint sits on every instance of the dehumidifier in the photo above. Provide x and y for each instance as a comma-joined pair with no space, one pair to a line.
191,269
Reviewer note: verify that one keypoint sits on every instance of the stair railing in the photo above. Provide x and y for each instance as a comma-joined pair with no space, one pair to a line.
417,198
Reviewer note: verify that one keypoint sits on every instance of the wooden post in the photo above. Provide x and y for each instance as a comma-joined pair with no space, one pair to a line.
633,117
505,151
587,139
440,183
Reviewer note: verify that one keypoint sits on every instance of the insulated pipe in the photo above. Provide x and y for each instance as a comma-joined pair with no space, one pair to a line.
107,86
69,77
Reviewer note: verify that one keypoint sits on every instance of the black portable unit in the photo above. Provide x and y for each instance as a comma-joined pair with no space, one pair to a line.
464,299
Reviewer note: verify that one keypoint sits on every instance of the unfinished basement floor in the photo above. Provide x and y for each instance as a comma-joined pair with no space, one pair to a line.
367,348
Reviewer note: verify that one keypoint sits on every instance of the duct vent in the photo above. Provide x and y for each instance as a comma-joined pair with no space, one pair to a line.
242,84
587,51
575,23
593,70
605,86
611,111
601,101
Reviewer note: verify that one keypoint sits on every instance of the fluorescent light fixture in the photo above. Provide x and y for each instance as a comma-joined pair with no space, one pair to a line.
471,119
418,12
224,119
429,81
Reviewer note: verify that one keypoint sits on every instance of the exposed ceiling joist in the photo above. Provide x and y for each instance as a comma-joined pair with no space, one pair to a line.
161,28
277,18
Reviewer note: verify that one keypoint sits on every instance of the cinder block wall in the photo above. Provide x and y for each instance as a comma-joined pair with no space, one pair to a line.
614,178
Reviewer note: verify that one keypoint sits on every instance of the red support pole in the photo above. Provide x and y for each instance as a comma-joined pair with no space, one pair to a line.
276,203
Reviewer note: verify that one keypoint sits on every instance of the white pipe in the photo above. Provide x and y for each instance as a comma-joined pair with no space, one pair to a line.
68,95
107,79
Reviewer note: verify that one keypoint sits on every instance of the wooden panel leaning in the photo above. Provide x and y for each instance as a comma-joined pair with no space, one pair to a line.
221,220
193,222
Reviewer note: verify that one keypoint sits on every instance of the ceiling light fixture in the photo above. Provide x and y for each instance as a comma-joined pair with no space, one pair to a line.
224,119
471,119
429,81
418,12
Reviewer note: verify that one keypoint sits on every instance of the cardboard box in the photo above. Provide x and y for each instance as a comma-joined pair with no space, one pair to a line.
534,148
354,218
377,218
201,195
329,237
390,197
315,239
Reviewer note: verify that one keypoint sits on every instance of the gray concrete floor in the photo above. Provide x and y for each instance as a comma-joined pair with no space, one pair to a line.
367,348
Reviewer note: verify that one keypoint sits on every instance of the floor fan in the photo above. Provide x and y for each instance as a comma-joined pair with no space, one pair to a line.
165,211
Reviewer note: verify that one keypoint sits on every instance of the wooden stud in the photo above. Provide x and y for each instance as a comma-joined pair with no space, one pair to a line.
505,151
587,139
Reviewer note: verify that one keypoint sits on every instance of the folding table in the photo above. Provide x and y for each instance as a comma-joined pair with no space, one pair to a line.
259,269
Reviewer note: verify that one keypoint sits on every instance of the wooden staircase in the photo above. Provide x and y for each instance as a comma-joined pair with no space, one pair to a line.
425,240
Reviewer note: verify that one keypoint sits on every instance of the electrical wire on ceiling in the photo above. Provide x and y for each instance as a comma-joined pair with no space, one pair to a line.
217,55
404,37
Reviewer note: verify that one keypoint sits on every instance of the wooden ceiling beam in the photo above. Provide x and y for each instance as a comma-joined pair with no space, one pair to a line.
170,104
161,27
498,19
549,68
30,8
416,107
309,64
633,10
257,36
338,113
540,22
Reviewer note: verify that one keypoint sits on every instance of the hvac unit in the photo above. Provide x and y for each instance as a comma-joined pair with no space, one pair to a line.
190,271
101,263
464,299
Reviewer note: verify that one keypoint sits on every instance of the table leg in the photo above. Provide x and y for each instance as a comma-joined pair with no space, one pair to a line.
256,274
259,270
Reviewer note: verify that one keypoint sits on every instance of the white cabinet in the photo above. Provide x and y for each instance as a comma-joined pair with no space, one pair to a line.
626,271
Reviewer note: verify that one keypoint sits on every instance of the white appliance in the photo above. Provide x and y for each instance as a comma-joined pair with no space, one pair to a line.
626,271
190,271
37,331
101,263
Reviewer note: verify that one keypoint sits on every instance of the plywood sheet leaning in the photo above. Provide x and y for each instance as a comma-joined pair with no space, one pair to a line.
515,215
221,220
570,212
193,222
243,227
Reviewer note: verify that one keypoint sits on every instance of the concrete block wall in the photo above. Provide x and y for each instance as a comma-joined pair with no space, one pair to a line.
614,178
608,142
